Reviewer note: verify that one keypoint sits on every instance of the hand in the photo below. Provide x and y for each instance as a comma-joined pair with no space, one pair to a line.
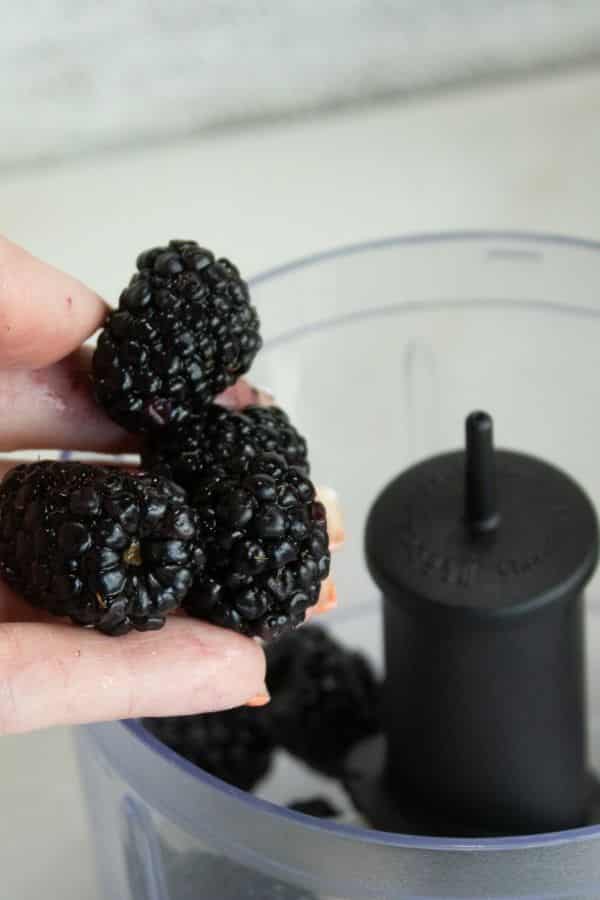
52,672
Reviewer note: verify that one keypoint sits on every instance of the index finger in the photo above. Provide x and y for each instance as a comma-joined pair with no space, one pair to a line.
63,675
44,314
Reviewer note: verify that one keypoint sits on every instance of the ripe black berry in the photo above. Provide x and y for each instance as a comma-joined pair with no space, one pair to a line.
325,697
235,745
202,442
266,543
109,549
184,331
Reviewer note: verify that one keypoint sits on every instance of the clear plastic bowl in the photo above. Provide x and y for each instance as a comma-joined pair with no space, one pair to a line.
378,351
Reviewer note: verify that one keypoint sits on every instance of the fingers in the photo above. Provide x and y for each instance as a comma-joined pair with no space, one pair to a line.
335,519
335,526
242,394
327,600
60,674
44,314
54,407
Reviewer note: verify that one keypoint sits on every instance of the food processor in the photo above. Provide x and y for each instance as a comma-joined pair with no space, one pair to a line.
467,578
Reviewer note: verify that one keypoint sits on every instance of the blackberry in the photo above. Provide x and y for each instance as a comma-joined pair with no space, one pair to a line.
235,745
203,442
325,697
184,331
109,549
266,543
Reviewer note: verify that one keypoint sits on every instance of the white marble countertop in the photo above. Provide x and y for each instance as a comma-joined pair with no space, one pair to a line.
523,156
190,66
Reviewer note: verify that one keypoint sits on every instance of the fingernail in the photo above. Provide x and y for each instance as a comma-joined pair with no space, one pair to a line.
243,394
238,395
330,604
264,396
335,521
259,699
228,399
337,540
330,599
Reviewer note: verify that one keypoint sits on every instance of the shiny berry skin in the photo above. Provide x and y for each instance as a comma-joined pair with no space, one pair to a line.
266,543
184,331
107,548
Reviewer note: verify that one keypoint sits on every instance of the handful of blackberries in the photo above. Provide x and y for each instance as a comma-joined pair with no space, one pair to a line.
223,520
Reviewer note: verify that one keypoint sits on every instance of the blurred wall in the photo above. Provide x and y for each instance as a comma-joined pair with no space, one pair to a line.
77,75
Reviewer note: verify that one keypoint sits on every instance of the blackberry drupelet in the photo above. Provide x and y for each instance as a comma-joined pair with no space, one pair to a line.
266,543
325,697
202,442
109,549
184,331
235,745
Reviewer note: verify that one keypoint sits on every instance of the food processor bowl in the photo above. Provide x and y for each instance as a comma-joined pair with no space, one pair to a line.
377,351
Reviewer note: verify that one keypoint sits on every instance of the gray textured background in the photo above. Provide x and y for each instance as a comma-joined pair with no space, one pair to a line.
77,75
